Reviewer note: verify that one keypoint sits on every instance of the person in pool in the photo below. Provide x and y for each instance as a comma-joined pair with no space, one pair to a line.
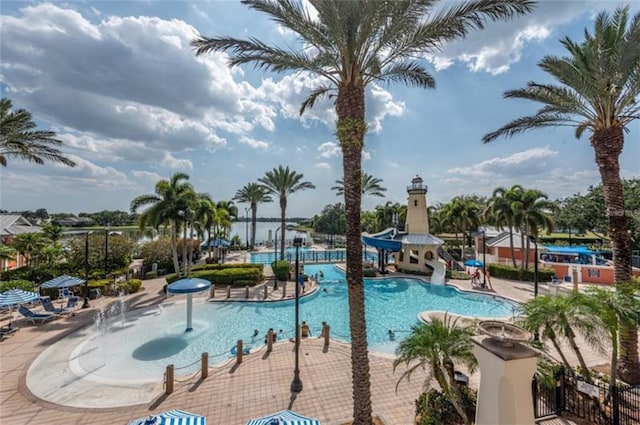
321,274
392,335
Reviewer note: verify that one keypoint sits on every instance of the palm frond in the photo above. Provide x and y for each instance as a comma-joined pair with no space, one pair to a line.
409,73
315,95
523,124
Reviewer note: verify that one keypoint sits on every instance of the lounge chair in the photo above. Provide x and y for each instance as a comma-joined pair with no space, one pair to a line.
7,330
34,317
48,306
72,302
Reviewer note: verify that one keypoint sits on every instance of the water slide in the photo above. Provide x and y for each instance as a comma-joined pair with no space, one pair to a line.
439,269
382,240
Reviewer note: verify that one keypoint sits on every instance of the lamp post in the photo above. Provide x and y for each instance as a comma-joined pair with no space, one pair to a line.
484,259
106,250
296,384
246,226
536,336
275,257
85,304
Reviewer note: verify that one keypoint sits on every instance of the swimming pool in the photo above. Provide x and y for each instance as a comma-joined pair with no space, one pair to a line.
143,344
310,256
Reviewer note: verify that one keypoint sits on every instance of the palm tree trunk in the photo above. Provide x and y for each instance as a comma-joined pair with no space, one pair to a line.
556,345
608,145
351,130
513,252
174,246
283,215
583,365
254,218
521,248
184,249
528,247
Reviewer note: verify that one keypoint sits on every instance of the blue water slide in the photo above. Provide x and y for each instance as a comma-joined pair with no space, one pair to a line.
382,240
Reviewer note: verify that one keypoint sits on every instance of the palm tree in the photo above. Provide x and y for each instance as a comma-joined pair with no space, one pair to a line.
438,346
597,91
282,182
532,213
168,205
356,44
19,139
370,186
561,317
52,231
464,214
204,216
502,212
253,194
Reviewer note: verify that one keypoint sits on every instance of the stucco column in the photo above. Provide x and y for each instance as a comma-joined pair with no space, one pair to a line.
504,397
189,312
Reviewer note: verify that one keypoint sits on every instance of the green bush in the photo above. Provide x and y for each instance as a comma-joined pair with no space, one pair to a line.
281,269
227,276
434,408
129,286
369,272
23,284
515,273
456,274
151,275
228,266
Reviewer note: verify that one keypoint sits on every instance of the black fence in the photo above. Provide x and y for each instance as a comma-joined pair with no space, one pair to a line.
599,403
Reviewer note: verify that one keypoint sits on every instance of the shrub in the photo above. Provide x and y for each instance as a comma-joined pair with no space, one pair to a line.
281,269
150,275
129,286
515,273
227,276
23,284
456,274
369,272
434,408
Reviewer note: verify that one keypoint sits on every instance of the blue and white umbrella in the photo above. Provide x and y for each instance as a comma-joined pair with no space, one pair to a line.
284,417
16,297
473,263
63,281
172,417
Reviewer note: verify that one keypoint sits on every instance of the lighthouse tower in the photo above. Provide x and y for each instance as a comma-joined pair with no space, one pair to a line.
417,221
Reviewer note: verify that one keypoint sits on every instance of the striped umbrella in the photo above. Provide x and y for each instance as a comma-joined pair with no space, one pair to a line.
172,417
284,417
63,281
16,297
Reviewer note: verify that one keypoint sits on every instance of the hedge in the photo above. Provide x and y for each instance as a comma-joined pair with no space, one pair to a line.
228,276
129,286
515,273
281,269
25,285
227,266
368,272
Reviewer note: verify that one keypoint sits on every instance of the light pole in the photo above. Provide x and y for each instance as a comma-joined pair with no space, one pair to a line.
85,304
246,226
536,336
296,384
275,257
484,259
106,250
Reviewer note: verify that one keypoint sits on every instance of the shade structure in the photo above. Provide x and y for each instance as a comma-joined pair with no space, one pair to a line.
16,297
189,285
63,281
474,263
284,417
172,417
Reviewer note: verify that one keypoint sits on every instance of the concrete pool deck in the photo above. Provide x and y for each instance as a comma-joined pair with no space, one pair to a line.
230,395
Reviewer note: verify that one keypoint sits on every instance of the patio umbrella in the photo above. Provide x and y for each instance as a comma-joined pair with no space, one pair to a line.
217,242
16,297
172,417
284,417
63,281
473,263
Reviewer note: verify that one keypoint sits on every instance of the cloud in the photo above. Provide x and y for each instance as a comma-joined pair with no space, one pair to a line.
530,162
500,45
323,166
256,144
329,150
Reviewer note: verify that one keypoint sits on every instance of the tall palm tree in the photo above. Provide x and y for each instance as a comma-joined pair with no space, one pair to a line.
282,182
356,44
597,91
438,346
532,211
231,209
370,186
168,205
18,138
500,208
464,214
253,194
204,216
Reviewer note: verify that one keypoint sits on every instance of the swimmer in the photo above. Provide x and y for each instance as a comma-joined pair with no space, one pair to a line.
324,290
255,333
321,274
392,335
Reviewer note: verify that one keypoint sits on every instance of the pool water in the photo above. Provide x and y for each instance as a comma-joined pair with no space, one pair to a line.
142,345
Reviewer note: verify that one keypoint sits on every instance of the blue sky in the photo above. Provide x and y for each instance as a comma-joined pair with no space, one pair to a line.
121,86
